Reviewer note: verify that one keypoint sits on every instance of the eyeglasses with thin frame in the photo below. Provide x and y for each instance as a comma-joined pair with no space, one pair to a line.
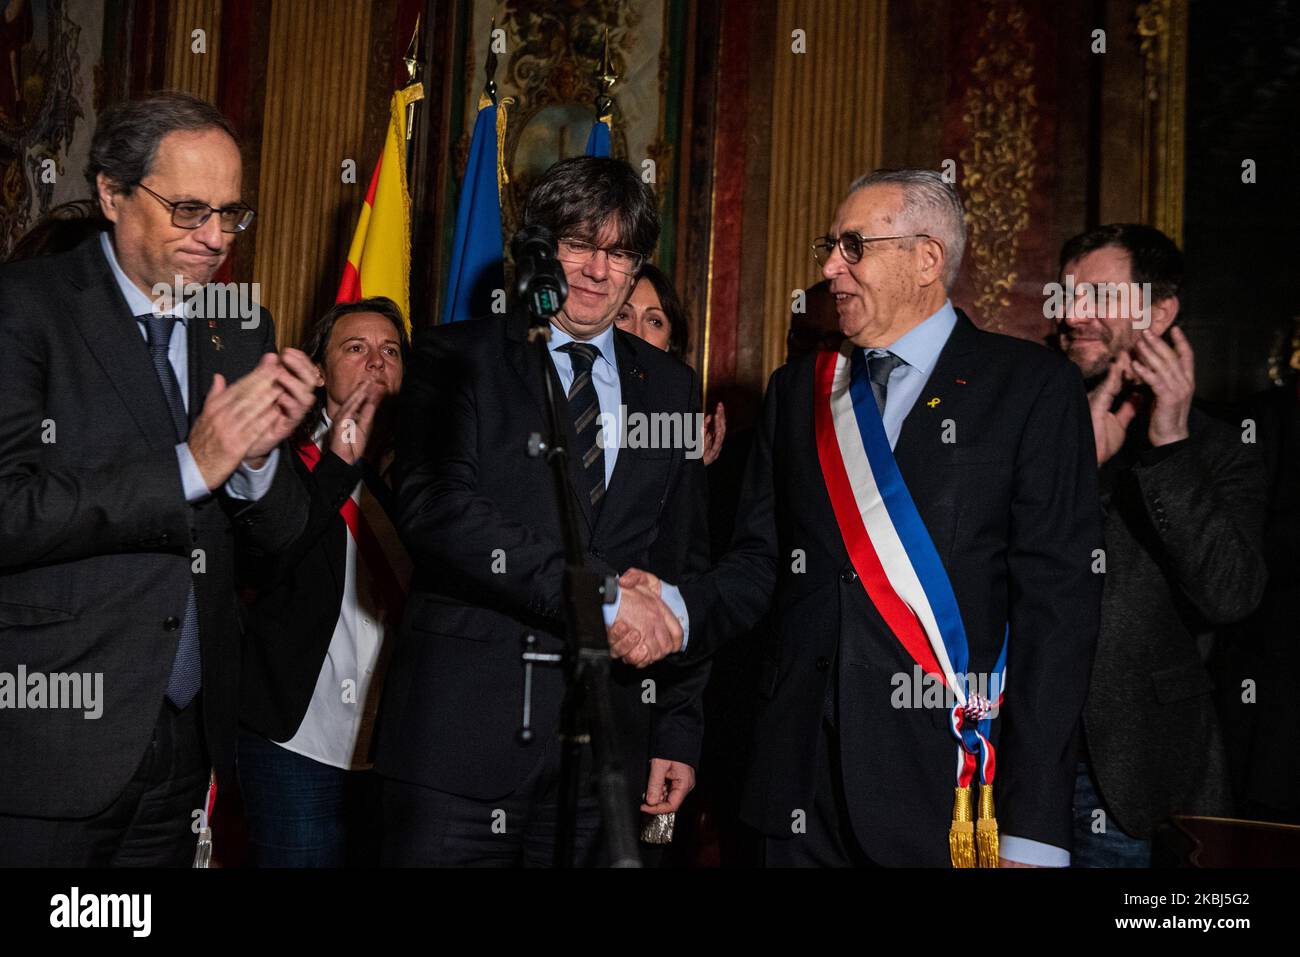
851,245
191,214
581,251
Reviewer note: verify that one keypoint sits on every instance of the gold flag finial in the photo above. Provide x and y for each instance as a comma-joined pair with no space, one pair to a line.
490,65
605,79
413,64
412,58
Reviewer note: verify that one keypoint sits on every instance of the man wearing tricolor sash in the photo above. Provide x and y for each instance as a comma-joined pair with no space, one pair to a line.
919,508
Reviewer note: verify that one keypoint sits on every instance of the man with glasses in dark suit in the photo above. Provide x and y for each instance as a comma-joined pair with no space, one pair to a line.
139,441
919,500
481,522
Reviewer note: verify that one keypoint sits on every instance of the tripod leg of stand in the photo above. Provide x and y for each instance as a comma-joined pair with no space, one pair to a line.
616,812
573,733
588,700
587,713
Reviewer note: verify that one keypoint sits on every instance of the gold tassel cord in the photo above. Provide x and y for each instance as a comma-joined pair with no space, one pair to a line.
961,837
986,829
503,178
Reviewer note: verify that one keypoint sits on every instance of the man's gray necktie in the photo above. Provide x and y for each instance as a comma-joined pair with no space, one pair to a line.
584,406
879,367
187,667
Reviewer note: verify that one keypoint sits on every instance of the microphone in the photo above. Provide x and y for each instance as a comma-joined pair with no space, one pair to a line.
539,277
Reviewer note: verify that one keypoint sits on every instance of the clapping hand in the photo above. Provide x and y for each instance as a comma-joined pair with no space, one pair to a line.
296,376
1171,374
715,430
232,419
352,430
1110,426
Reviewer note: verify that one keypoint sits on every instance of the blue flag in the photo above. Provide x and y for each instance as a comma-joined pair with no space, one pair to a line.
598,139
476,253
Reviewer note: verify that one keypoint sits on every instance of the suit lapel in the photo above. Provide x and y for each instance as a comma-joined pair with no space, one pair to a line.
519,355
921,443
103,320
206,359
633,385
940,398
920,436
195,341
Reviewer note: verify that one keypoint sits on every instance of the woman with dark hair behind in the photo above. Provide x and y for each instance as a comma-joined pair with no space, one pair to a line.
317,635
655,313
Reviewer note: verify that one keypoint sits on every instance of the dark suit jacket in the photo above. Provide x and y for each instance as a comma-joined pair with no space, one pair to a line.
1261,730
96,538
299,594
480,521
1184,553
1012,509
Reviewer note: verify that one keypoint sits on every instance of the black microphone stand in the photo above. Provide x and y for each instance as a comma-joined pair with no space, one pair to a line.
587,712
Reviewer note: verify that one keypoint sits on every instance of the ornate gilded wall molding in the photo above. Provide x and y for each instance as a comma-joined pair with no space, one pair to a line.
39,117
547,65
998,163
551,55
1161,30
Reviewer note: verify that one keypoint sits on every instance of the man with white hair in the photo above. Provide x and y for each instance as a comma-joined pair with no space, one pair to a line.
919,517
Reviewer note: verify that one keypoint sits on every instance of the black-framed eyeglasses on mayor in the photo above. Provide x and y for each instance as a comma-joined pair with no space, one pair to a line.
191,214
852,244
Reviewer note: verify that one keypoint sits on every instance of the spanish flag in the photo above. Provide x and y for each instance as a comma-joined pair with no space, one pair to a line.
379,260
477,270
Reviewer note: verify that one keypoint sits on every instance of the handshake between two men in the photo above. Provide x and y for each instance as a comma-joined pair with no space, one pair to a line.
645,630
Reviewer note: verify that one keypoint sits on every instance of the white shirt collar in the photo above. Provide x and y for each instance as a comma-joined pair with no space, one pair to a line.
604,342
322,428
921,345
136,300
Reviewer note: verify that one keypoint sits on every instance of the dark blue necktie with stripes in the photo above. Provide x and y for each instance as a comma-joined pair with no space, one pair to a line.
187,666
584,406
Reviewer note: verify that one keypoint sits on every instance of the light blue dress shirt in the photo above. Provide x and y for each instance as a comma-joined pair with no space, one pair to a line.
604,376
609,392
244,483
919,349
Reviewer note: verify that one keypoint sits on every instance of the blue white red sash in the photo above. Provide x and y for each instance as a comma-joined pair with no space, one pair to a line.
893,554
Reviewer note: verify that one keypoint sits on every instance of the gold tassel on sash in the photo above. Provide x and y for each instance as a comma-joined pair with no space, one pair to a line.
961,837
986,829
